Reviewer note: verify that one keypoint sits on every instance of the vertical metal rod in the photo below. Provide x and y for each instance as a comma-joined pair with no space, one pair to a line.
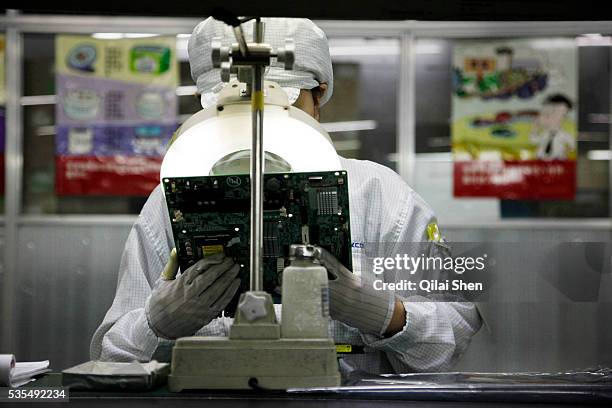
406,110
12,177
610,135
258,31
257,161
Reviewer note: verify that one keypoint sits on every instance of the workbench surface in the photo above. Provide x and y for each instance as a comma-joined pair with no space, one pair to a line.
381,392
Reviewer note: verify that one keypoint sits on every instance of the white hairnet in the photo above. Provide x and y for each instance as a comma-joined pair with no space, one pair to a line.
312,64
209,99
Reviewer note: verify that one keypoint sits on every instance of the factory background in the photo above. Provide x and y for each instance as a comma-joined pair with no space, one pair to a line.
60,254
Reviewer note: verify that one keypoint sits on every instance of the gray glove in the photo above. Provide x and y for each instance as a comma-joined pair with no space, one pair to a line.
359,306
180,307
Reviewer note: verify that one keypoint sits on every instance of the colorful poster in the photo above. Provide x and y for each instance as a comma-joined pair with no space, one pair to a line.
514,118
116,110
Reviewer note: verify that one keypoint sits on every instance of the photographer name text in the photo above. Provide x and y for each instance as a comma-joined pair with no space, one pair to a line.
429,286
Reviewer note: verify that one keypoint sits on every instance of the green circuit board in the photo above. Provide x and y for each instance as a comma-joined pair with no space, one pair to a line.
212,214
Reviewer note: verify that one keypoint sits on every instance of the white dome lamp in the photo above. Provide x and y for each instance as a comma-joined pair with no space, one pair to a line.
217,140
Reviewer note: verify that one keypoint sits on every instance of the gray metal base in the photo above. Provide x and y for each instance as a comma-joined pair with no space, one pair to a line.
221,363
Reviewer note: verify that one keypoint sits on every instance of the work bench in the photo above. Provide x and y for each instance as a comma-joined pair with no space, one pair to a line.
426,390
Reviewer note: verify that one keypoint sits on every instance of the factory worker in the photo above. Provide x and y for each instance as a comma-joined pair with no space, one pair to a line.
400,331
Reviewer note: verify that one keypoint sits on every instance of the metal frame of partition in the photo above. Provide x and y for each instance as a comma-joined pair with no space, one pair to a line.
15,25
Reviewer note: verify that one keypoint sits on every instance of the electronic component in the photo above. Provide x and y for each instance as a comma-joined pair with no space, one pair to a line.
327,200
212,214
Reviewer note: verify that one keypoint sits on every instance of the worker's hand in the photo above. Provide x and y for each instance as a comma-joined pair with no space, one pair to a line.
180,307
355,304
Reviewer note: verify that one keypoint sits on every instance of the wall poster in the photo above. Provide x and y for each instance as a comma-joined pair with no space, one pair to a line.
514,118
116,110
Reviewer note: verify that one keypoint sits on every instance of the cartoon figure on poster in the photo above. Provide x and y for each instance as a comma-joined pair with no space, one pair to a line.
500,76
553,142
514,119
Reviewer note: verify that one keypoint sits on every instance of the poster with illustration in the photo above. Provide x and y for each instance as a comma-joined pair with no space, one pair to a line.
116,111
514,118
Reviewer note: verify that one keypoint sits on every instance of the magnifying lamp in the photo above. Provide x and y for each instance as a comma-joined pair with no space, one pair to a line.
217,140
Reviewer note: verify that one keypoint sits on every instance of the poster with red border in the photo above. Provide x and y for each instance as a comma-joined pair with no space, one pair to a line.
514,118
116,110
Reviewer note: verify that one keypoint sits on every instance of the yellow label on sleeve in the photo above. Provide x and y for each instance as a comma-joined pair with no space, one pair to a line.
343,348
433,233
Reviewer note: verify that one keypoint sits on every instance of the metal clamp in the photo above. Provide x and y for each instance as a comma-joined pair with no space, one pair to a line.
233,61
304,251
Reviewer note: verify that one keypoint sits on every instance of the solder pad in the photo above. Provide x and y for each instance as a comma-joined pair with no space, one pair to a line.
212,214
